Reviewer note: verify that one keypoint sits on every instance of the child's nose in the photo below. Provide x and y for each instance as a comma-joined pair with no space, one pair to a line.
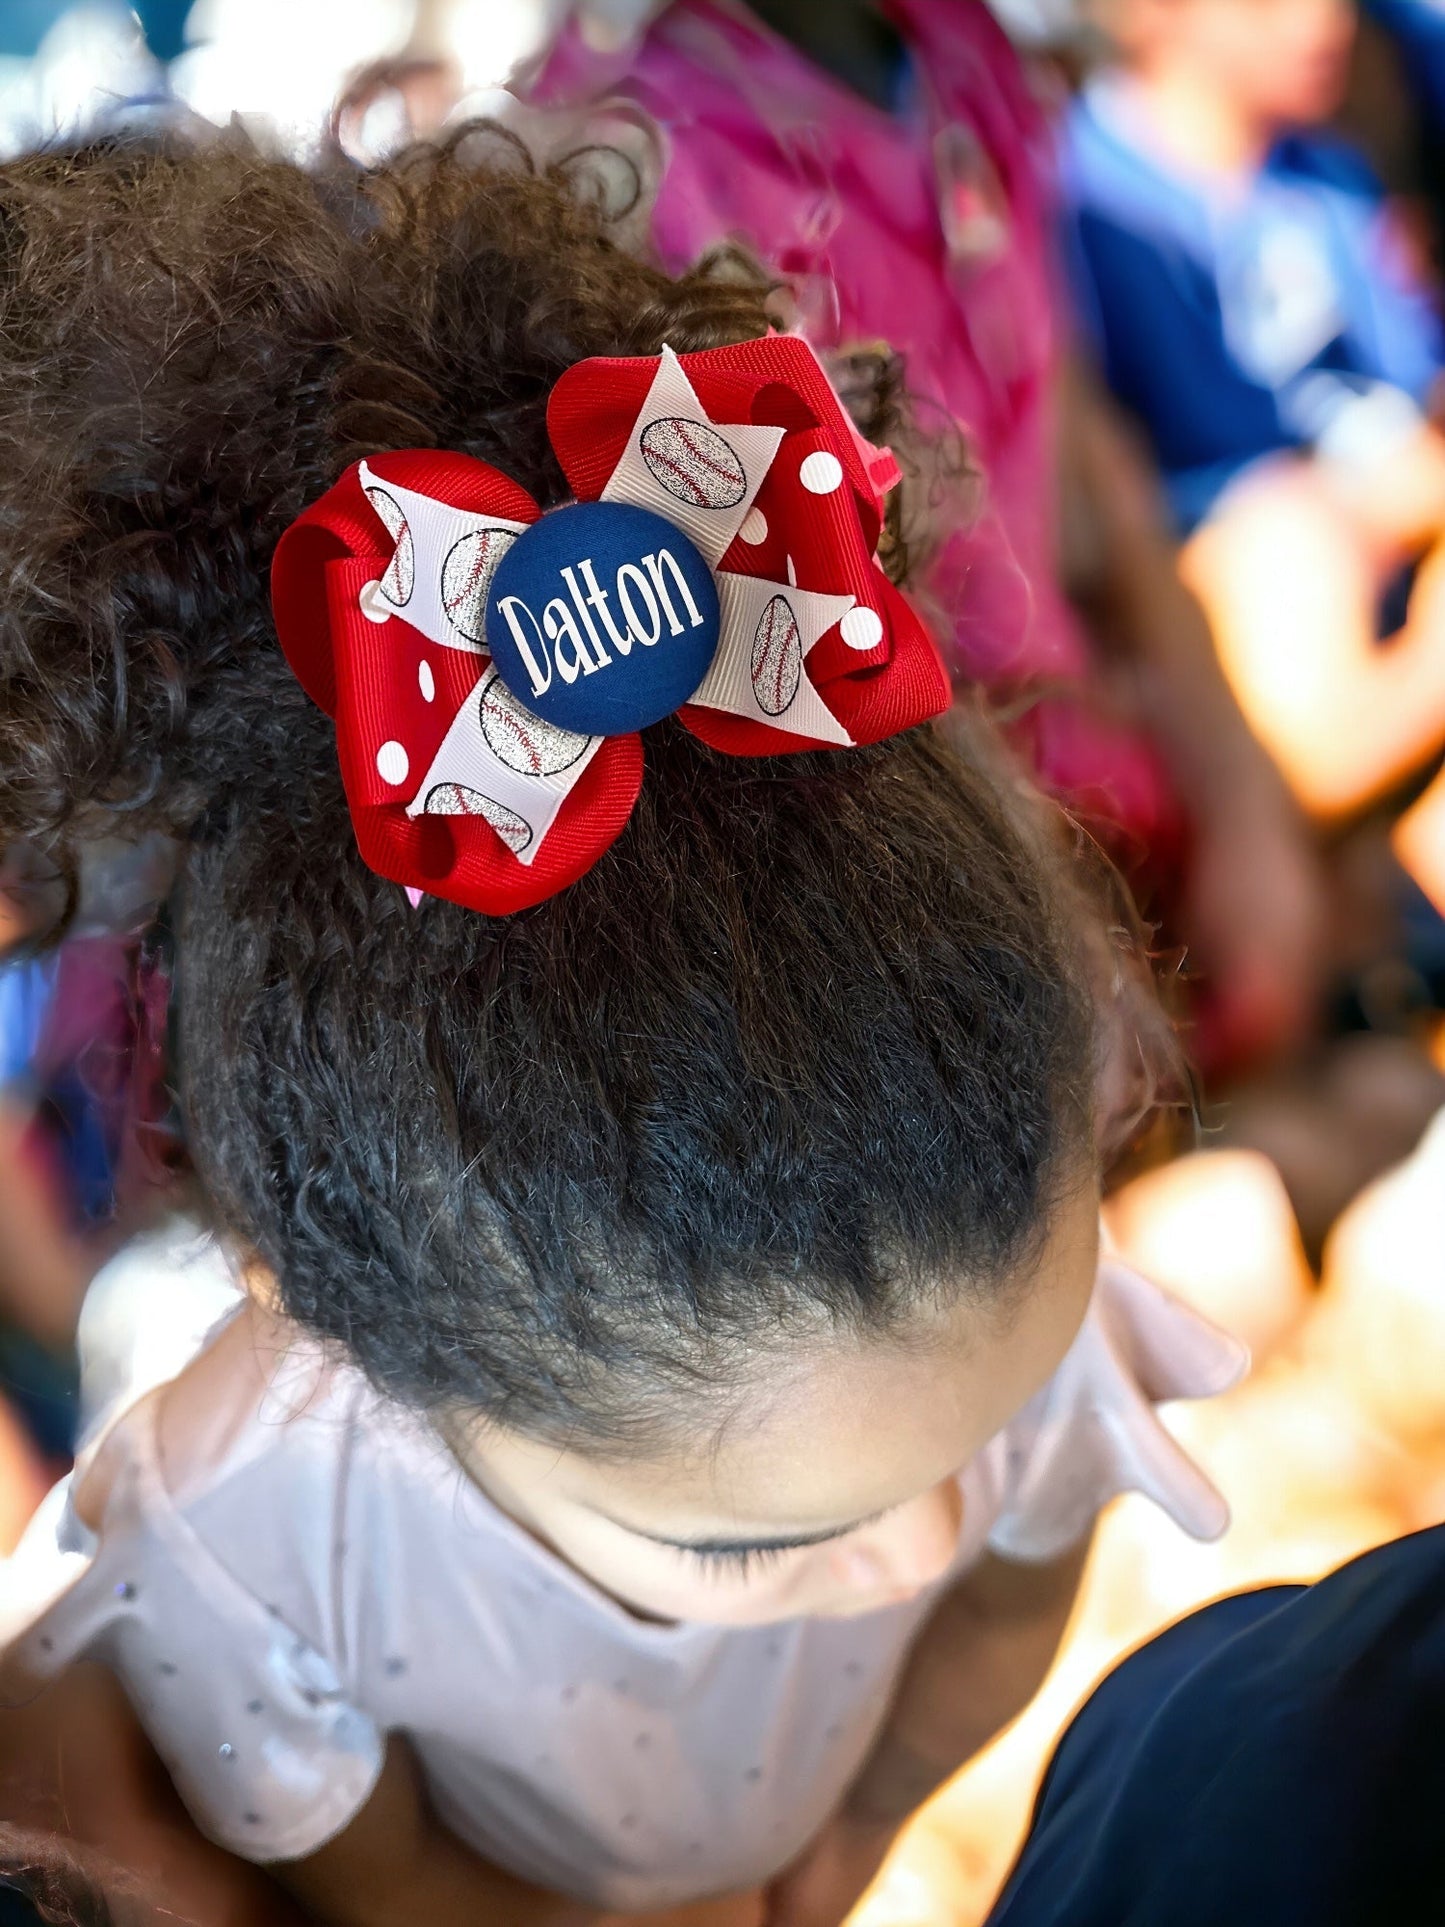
911,1546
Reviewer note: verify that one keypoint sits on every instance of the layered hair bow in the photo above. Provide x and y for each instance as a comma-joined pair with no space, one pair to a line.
489,667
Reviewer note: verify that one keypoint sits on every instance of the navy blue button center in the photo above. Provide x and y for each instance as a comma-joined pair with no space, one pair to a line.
602,618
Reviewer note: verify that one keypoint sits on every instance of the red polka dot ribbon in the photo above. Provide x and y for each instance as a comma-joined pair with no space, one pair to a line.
380,591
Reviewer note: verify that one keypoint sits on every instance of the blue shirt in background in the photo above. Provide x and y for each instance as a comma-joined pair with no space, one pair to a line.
77,1124
27,986
1238,319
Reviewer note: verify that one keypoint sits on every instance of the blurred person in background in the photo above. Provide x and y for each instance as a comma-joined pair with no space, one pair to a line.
54,1168
1256,308
38,1260
891,165
84,1155
1396,109
37,1255
1264,317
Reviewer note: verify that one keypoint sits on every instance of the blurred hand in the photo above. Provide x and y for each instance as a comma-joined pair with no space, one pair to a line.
823,1886
1397,502
1291,591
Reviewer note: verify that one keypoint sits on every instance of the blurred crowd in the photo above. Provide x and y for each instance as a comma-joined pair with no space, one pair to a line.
1161,284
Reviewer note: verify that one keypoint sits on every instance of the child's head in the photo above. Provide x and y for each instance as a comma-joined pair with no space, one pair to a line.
740,1191
1273,63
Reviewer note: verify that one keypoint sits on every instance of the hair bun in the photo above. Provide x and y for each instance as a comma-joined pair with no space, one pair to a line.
197,341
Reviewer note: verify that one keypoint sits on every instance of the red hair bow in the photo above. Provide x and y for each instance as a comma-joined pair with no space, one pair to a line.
380,592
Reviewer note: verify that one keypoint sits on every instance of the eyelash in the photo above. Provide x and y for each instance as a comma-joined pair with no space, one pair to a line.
746,1562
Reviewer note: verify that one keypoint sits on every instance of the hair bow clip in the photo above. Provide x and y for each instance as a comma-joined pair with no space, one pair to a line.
489,667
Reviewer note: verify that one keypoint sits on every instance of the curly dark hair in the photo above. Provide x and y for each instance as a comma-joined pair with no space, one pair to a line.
813,1040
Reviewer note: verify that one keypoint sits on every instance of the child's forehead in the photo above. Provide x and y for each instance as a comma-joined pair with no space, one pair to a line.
837,1432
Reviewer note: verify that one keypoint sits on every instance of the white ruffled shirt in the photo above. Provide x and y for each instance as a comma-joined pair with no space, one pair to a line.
321,1574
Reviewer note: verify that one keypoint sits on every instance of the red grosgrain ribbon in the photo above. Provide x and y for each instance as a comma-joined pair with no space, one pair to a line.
470,778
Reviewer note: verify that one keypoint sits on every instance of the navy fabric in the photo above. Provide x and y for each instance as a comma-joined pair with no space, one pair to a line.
43,1388
1236,319
1275,1760
602,618
17,1909
72,1125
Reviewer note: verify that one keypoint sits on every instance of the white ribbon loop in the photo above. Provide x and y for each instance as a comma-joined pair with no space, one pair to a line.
497,760
758,672
704,477
700,476
501,762
442,567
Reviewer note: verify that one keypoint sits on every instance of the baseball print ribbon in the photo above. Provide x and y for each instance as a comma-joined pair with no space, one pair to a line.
489,667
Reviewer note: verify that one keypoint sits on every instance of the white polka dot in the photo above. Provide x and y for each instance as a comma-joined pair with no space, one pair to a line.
373,603
862,628
392,763
428,682
792,573
821,472
755,527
